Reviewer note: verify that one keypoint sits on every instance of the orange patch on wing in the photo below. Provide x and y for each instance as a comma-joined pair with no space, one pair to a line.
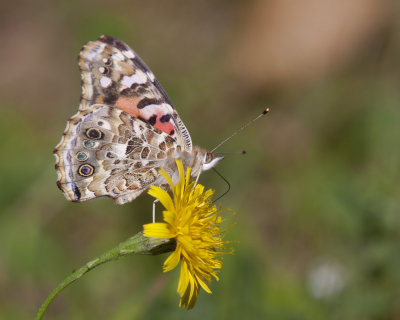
129,105
167,127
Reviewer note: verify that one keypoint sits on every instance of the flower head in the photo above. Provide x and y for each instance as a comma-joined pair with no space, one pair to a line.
194,222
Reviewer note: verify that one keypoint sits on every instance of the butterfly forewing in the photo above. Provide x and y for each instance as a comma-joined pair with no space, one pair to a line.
113,74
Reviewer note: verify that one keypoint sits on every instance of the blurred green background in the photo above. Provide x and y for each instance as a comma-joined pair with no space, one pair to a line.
316,196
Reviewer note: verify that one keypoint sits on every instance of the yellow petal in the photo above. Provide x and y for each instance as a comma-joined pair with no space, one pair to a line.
183,279
172,261
169,217
157,230
188,171
162,196
181,184
188,287
167,177
203,285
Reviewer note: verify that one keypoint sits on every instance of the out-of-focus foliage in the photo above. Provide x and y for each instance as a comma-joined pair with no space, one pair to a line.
316,196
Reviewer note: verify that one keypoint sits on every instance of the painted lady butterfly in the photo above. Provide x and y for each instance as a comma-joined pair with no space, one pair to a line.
125,130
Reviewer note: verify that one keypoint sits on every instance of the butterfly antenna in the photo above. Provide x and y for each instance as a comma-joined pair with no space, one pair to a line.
240,129
227,182
237,152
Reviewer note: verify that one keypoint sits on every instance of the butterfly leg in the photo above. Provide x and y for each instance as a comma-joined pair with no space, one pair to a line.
154,210
197,179
198,175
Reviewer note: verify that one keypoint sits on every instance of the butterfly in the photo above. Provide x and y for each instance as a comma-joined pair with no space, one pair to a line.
126,129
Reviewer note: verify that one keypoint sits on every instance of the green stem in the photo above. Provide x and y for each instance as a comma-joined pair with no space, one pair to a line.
138,244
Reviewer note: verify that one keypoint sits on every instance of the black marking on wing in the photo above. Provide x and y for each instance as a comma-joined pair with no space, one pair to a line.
165,117
133,90
147,101
114,42
110,95
137,61
77,192
152,120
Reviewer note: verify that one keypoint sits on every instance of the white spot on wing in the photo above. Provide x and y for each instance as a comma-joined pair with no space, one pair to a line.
152,109
101,69
119,149
151,76
118,56
129,54
106,125
105,82
139,77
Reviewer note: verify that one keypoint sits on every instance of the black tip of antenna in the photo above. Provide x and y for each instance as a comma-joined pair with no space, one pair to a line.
265,111
243,152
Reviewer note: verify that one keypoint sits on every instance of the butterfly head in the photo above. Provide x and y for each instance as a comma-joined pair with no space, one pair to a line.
210,160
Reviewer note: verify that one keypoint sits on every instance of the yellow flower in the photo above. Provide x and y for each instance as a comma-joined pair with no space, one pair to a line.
192,220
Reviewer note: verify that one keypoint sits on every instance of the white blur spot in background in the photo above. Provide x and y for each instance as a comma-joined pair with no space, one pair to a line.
326,279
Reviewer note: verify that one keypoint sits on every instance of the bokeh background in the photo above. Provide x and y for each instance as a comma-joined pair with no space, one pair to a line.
316,196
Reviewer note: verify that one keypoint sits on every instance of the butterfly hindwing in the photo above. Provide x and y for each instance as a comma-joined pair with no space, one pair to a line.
106,152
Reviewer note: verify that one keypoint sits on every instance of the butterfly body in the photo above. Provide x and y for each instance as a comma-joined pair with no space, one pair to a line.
125,131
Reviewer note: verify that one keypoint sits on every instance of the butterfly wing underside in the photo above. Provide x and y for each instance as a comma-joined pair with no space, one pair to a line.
124,130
